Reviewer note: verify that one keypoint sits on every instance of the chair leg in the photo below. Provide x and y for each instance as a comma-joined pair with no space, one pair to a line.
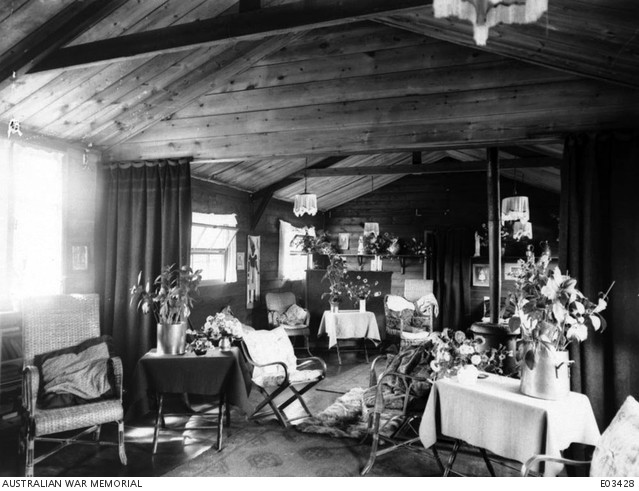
373,455
29,448
489,465
339,358
308,345
121,450
96,433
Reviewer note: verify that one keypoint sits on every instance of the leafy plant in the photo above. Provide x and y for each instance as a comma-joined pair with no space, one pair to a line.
335,274
550,310
171,299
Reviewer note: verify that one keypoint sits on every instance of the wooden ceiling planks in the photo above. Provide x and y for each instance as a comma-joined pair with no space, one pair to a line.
568,38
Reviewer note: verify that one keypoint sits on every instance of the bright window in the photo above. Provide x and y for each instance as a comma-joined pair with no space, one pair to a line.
292,263
32,221
213,246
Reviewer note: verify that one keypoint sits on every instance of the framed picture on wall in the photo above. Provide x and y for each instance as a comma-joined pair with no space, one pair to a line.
240,259
480,275
511,271
79,257
343,242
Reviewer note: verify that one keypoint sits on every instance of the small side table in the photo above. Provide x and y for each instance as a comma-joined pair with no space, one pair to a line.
349,324
216,373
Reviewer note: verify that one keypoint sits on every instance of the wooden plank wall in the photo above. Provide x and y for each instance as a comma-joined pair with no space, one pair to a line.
213,198
414,204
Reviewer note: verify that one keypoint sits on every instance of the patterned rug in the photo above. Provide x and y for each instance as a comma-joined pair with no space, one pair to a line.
268,450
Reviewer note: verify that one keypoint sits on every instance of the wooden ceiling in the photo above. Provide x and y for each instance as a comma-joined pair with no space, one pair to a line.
257,91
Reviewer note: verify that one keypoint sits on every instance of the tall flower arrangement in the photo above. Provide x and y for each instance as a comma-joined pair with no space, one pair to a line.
335,274
550,310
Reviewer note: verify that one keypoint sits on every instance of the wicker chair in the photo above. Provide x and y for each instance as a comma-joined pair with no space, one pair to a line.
276,305
52,323
400,388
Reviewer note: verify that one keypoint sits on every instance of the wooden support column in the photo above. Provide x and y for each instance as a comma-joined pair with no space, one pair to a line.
494,234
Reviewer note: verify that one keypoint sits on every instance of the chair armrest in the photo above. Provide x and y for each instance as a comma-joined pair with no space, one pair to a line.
272,318
30,386
307,319
372,375
310,361
254,364
406,379
527,466
118,372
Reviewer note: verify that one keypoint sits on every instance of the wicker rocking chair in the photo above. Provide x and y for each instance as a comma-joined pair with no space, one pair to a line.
49,324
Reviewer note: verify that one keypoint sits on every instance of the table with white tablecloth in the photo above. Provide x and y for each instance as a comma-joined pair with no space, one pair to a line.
493,414
349,324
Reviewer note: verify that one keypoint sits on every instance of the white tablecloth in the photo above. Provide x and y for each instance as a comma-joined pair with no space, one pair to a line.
494,415
349,324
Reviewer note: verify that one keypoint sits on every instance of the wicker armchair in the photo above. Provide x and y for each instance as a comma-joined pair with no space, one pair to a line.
52,323
276,305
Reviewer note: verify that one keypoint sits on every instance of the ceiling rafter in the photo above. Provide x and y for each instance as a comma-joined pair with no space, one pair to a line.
251,25
441,167
65,26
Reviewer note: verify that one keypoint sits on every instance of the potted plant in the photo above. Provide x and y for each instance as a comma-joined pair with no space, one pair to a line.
335,274
170,301
551,313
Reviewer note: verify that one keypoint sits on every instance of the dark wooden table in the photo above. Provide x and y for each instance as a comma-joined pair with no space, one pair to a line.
221,374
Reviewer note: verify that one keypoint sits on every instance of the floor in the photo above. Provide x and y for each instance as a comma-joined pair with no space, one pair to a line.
180,447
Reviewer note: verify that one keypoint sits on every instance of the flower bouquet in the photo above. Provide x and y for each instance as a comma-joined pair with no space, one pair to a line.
453,352
362,288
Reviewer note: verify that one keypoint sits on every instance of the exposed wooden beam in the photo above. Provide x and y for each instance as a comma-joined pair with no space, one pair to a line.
261,208
217,70
56,32
494,232
293,178
440,167
251,25
249,5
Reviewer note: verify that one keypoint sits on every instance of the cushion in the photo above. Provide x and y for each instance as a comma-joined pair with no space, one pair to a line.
268,347
397,303
423,304
295,315
76,375
617,452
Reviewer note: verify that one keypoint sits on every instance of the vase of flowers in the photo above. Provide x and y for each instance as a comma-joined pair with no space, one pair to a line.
361,289
222,328
551,313
170,301
456,355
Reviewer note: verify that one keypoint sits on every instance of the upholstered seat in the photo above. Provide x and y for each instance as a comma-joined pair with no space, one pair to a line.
283,311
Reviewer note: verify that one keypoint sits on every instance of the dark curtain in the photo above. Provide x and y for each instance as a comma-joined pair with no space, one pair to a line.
598,244
453,250
146,225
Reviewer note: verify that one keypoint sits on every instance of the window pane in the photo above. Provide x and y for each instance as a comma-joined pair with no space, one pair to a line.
37,240
212,265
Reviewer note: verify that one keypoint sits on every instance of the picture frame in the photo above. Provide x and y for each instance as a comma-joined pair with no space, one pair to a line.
343,241
240,261
79,257
511,271
481,276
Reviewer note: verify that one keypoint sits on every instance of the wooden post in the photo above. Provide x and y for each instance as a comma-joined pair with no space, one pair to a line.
494,234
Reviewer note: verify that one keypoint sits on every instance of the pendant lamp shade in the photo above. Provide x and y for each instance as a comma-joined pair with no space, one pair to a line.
305,203
515,208
484,14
